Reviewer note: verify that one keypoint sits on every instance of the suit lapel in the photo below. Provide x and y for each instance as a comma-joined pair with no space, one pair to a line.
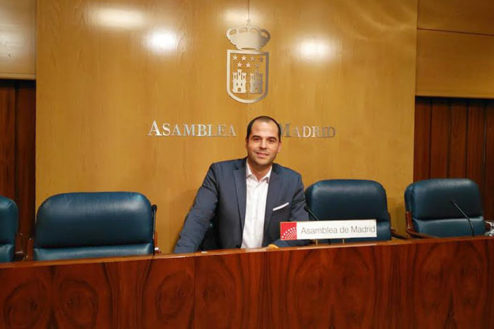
241,188
274,190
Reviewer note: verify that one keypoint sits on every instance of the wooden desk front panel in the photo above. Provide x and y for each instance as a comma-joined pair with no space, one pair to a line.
430,284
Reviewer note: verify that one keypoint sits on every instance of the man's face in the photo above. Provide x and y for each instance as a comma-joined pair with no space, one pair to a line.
263,144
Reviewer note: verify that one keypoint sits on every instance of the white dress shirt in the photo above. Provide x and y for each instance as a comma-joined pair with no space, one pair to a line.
257,193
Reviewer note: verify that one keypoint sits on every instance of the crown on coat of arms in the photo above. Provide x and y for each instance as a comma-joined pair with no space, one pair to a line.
248,37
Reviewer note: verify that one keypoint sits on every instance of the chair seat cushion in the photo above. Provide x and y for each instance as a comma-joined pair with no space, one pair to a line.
450,227
93,252
6,252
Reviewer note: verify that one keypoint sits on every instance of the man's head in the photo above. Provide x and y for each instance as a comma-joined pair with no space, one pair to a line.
263,142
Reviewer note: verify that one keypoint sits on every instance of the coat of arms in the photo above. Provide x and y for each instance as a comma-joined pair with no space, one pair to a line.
247,67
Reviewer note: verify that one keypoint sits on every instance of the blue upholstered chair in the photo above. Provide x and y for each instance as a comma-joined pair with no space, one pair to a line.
9,222
339,199
90,225
431,210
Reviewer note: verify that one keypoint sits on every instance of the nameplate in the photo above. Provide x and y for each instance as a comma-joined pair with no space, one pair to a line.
328,229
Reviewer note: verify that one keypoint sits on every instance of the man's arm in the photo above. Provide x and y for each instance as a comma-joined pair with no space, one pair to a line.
297,213
198,219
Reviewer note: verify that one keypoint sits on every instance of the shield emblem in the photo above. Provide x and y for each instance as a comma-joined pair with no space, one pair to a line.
247,75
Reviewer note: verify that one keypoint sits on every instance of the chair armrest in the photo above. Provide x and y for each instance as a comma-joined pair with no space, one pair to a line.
21,246
411,230
397,235
29,249
489,227
415,234
156,250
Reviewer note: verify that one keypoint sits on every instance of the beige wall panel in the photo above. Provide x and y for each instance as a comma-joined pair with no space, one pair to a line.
100,87
475,16
17,39
455,65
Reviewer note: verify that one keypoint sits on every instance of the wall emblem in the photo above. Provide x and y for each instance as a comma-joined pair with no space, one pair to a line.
247,67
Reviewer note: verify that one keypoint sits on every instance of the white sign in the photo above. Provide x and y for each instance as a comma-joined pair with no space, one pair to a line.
329,229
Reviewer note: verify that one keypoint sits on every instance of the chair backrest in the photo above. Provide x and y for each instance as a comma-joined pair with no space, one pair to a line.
336,199
429,203
89,225
9,222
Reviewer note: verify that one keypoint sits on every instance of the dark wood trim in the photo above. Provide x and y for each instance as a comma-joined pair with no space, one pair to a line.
17,152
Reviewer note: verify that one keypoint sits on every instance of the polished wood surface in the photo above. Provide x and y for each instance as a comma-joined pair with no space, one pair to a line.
101,84
470,16
7,138
453,138
17,39
489,160
17,143
455,46
432,283
25,182
455,64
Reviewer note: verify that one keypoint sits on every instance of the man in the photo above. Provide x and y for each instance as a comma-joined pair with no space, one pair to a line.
246,199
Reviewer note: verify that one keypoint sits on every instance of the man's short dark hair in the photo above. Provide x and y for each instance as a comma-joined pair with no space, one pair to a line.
263,118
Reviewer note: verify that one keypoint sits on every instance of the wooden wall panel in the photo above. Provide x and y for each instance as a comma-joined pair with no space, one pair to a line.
470,16
460,142
475,141
17,149
440,121
17,39
457,139
7,139
489,162
455,64
100,87
25,155
422,159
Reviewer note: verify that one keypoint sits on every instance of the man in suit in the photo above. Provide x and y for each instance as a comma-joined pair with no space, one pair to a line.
246,199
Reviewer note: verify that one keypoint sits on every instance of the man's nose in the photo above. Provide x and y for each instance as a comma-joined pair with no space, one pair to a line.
263,144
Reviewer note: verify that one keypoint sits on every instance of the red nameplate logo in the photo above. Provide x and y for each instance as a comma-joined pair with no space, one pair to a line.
288,231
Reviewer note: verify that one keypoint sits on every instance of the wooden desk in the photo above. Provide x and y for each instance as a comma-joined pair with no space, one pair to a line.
434,283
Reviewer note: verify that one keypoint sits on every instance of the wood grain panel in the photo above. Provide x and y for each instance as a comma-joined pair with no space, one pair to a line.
83,297
468,141
7,139
434,283
172,284
27,299
354,298
488,191
462,283
304,274
440,131
18,39
454,64
25,155
17,150
421,162
475,142
457,140
101,85
230,291
474,16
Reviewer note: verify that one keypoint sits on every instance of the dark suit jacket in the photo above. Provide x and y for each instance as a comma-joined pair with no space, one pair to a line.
221,200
